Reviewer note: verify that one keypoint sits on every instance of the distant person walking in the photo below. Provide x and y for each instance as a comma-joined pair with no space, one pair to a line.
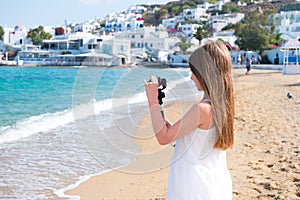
248,66
239,59
258,59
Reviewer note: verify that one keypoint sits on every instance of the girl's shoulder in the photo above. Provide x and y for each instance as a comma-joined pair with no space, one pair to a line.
204,107
205,112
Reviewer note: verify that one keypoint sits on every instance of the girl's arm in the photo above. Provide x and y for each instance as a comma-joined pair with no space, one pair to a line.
165,132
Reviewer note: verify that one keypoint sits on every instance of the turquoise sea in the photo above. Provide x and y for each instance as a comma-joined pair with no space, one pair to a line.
59,126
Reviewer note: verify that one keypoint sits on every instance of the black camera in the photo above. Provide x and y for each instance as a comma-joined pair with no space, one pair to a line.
162,84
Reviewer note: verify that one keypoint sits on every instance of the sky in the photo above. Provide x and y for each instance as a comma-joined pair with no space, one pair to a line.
31,13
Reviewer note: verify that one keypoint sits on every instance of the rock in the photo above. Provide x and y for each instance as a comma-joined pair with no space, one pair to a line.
284,169
270,165
269,186
294,166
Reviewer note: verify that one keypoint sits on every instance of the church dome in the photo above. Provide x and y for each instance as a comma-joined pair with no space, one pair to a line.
20,27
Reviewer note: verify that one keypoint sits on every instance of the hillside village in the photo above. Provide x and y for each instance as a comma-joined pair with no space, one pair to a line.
146,33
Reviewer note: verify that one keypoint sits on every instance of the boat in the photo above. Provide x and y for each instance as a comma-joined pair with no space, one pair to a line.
7,62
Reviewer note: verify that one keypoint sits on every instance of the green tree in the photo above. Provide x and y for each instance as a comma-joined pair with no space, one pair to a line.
38,34
192,4
1,33
175,9
228,27
212,1
230,7
256,31
157,15
276,39
163,12
251,37
184,44
185,6
200,34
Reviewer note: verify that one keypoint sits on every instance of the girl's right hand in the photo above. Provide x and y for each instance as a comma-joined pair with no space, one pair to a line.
152,90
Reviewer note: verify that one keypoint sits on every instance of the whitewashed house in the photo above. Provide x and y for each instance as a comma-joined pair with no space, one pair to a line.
170,23
85,48
75,43
213,7
88,27
206,5
50,30
149,37
137,9
188,29
118,22
218,22
289,25
15,36
226,36
195,13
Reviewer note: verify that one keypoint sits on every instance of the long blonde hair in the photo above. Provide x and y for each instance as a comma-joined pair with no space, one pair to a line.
211,64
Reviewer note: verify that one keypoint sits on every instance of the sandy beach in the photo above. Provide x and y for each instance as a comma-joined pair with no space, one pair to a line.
264,162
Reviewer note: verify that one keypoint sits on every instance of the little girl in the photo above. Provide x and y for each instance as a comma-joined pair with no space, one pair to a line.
198,168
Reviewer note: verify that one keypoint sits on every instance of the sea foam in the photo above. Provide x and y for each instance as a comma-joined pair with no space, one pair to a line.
48,121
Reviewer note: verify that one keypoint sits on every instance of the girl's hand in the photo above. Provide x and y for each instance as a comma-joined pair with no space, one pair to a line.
152,90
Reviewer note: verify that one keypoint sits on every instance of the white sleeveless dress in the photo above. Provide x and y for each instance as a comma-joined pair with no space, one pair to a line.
197,170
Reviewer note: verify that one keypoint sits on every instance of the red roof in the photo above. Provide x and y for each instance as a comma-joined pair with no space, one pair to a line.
19,26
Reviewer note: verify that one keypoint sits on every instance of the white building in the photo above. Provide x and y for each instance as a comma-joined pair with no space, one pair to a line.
85,48
79,42
194,14
84,27
151,37
6,35
50,30
290,24
171,22
226,36
116,46
218,22
213,7
124,21
137,9
15,36
188,29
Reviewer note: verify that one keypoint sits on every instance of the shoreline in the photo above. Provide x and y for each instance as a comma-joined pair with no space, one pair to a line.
62,192
142,170
151,65
263,161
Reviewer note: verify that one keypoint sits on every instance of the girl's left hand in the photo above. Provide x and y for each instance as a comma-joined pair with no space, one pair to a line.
152,90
